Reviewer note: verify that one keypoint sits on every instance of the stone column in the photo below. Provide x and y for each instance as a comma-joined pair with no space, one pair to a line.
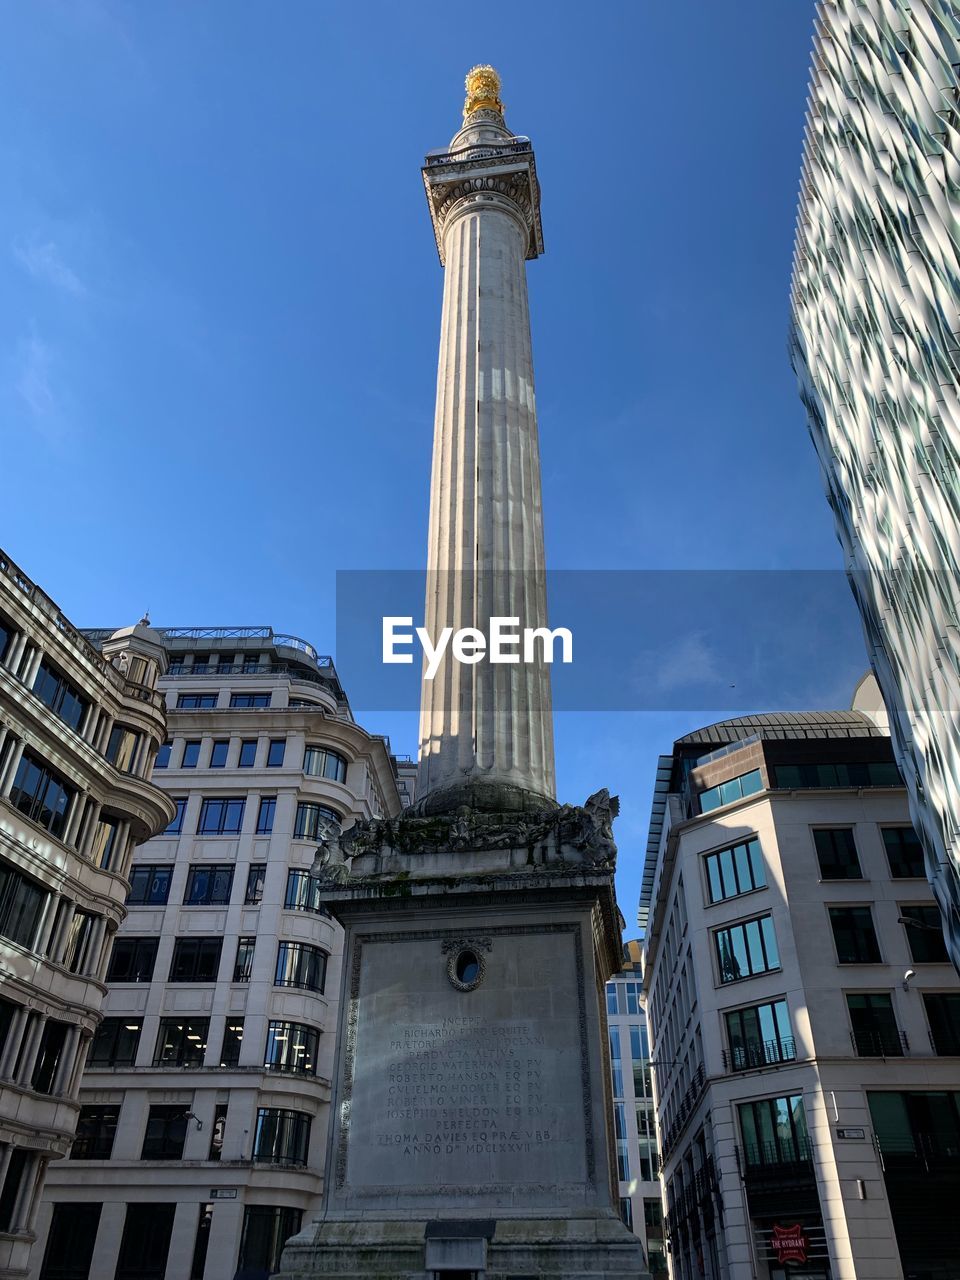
11,767
486,732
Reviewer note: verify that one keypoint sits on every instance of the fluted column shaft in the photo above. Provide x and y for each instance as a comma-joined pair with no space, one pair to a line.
486,723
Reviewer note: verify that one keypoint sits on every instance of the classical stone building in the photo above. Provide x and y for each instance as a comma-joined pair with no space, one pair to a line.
876,348
804,1014
634,1114
204,1105
79,731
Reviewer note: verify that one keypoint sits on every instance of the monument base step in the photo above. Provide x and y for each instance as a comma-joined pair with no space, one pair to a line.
600,1248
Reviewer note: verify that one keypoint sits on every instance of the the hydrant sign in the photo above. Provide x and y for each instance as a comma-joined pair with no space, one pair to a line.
790,1244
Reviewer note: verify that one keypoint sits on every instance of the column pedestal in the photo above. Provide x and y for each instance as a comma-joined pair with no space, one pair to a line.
472,1091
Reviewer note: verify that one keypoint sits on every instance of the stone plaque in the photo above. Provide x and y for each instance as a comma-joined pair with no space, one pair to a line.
477,1091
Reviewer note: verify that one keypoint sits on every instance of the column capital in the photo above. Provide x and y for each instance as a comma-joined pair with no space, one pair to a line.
496,172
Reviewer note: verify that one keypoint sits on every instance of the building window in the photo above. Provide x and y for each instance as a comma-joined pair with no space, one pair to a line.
774,1132
176,823
746,949
904,853
874,1029
79,936
255,879
71,1239
623,997
149,885
275,753
218,753
871,773
266,814
123,748
163,756
115,1043
243,965
202,1241
217,1132
197,701
616,1061
248,753
943,1015
41,795
221,817
64,699
195,960
181,1042
232,1040
208,885
7,1009
854,935
623,1145
250,699
747,784
309,819
145,1242
20,1165
320,762
733,871
291,1046
626,1212
303,893
266,1229
52,1043
105,847
300,965
96,1130
132,960
760,1035
191,754
924,929
21,906
281,1137
837,854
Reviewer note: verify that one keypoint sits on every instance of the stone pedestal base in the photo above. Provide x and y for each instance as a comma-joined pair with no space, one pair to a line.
511,1249
471,1105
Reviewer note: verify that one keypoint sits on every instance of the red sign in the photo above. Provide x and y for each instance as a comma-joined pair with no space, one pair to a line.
790,1244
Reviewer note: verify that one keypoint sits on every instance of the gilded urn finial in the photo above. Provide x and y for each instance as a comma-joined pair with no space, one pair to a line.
483,91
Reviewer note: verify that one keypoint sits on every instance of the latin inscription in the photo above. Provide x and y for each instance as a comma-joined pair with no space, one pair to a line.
481,1089
466,1086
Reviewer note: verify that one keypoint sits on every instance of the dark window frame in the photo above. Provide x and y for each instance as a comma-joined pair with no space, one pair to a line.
195,959
209,884
837,858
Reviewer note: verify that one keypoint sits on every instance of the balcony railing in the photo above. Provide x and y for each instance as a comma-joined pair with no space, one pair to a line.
764,1053
879,1044
929,1152
517,146
684,1109
788,1157
210,669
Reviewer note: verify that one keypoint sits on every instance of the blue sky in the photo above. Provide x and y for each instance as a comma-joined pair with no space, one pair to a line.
221,307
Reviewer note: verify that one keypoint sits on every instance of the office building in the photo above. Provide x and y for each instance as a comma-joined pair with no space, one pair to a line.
204,1103
634,1116
79,732
803,1011
876,348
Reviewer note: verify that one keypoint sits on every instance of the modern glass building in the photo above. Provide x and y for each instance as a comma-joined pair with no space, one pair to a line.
634,1116
876,348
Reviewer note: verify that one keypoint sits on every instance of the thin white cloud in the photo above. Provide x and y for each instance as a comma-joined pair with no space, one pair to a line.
42,260
691,662
33,381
